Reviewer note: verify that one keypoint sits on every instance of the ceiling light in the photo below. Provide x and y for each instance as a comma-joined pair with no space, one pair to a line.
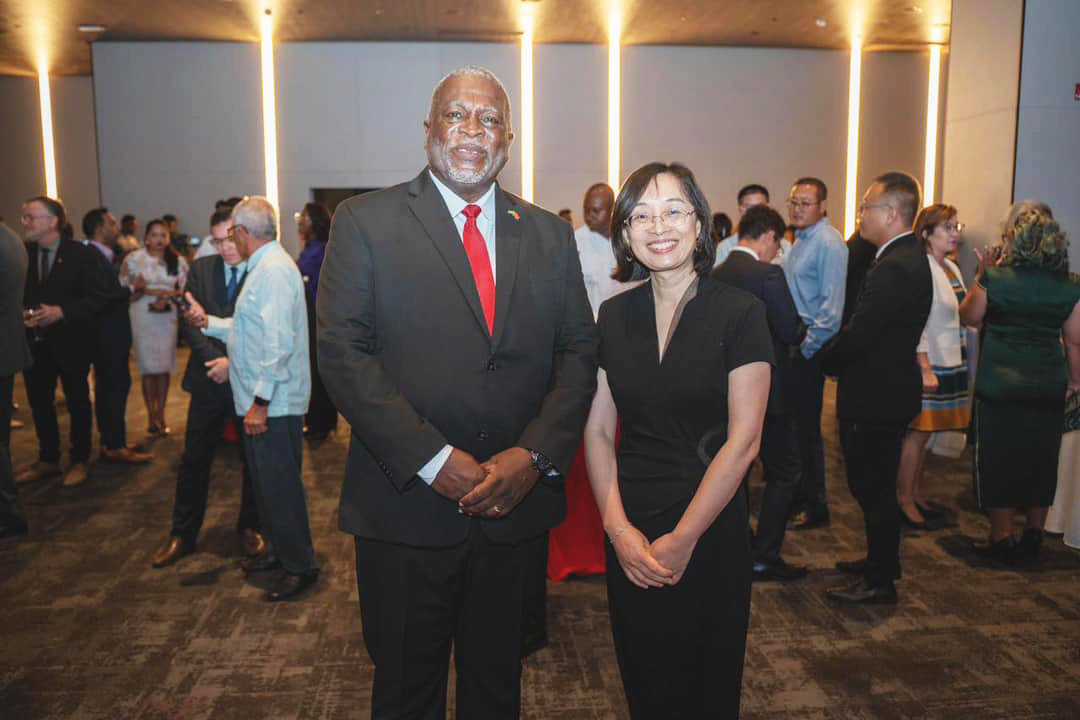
91,28
914,9
821,22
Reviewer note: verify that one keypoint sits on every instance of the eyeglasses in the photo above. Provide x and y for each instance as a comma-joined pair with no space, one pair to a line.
231,236
802,204
955,227
218,242
30,218
670,218
863,207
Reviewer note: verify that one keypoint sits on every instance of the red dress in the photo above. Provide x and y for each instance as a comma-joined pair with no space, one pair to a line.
576,547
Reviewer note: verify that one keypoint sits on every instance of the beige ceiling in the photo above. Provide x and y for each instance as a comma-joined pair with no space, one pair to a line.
29,26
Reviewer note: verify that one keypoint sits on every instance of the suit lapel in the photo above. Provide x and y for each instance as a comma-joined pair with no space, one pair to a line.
217,281
508,231
428,207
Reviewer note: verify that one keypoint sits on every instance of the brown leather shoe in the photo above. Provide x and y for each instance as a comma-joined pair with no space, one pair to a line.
127,455
76,475
253,541
170,552
37,471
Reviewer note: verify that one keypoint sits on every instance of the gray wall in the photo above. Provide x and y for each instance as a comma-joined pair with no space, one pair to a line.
1048,135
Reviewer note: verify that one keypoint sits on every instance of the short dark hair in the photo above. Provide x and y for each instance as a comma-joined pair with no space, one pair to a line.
93,220
56,209
819,185
752,189
221,214
168,217
128,218
721,224
627,267
903,190
759,220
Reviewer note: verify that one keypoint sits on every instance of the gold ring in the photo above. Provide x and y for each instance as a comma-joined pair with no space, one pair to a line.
495,508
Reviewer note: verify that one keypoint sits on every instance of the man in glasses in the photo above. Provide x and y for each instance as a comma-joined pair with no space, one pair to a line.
749,196
215,283
816,270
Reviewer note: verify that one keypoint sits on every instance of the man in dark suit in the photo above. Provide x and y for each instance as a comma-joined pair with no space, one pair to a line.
62,298
112,340
214,282
861,254
456,338
880,385
14,356
749,267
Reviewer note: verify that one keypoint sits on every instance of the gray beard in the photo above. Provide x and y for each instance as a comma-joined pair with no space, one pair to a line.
465,177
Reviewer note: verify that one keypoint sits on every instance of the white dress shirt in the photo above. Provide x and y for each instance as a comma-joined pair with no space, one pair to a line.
597,263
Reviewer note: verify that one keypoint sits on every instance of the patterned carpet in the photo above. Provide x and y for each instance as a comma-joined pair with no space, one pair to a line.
89,630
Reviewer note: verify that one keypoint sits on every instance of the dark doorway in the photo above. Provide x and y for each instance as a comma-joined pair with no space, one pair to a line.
330,197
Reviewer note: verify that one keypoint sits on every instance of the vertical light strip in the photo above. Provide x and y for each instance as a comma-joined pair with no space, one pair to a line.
614,52
527,25
45,100
932,98
269,110
851,189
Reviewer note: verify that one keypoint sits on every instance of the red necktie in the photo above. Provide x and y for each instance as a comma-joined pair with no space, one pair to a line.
476,249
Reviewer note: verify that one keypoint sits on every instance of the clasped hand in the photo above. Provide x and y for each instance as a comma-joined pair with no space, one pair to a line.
655,564
490,489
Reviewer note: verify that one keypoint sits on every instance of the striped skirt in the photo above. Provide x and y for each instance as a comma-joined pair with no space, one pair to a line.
948,407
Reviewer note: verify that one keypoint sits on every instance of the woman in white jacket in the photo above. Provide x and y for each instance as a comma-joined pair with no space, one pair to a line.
946,403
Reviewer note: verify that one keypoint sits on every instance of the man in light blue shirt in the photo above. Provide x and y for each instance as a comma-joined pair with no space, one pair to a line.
269,370
816,271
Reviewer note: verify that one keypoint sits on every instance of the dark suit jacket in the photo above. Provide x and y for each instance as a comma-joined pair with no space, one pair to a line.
861,254
767,282
14,350
113,322
76,284
873,355
206,283
407,358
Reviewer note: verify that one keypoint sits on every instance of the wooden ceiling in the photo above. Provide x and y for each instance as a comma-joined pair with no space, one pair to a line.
29,26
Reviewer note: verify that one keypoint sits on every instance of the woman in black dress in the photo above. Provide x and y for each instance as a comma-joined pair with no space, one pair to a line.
685,371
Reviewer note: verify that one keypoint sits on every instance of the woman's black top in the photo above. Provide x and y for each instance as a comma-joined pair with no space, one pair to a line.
673,413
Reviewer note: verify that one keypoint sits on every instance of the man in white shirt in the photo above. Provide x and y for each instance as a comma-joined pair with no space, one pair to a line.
594,247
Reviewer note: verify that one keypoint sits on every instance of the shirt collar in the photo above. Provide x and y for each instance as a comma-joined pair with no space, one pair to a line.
455,204
746,250
800,233
240,267
255,256
105,249
894,239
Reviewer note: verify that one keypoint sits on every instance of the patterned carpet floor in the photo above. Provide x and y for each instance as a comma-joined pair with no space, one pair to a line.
89,630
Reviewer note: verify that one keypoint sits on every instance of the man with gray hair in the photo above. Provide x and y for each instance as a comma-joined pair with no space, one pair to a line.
267,346
456,338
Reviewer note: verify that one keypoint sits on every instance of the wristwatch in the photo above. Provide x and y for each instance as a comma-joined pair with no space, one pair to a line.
261,402
543,466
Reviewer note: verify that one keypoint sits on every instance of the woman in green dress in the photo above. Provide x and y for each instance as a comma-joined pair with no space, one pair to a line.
1024,297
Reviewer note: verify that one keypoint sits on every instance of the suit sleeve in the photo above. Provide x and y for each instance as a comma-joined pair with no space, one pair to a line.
883,295
92,291
556,430
349,358
784,320
197,340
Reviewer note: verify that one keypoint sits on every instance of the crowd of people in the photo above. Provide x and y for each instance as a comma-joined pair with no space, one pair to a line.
493,363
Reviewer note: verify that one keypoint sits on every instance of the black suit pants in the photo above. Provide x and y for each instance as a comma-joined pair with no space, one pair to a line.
112,381
207,415
41,380
417,602
808,387
872,456
780,458
11,515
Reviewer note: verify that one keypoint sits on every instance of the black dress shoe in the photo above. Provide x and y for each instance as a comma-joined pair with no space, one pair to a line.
289,586
778,571
1003,550
804,520
13,531
854,567
173,549
1030,542
863,593
263,563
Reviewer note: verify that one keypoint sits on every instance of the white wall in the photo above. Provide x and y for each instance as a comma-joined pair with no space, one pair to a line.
23,167
980,116
1048,136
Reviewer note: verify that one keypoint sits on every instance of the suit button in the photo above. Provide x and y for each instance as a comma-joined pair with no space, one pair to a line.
491,365
483,435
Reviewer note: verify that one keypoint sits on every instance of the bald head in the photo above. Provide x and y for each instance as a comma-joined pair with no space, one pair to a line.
598,201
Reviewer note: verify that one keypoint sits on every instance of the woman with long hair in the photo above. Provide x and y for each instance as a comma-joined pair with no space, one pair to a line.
314,225
154,323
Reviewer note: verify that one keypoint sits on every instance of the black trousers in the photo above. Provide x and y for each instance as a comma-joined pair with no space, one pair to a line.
41,380
11,514
112,382
274,458
681,648
322,416
808,386
872,456
207,415
417,602
780,458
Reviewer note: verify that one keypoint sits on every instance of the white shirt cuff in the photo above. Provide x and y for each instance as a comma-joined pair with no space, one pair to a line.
429,472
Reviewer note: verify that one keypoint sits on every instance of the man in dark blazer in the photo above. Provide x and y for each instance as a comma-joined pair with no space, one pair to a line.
14,356
456,338
749,267
112,340
63,295
214,281
861,254
880,386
